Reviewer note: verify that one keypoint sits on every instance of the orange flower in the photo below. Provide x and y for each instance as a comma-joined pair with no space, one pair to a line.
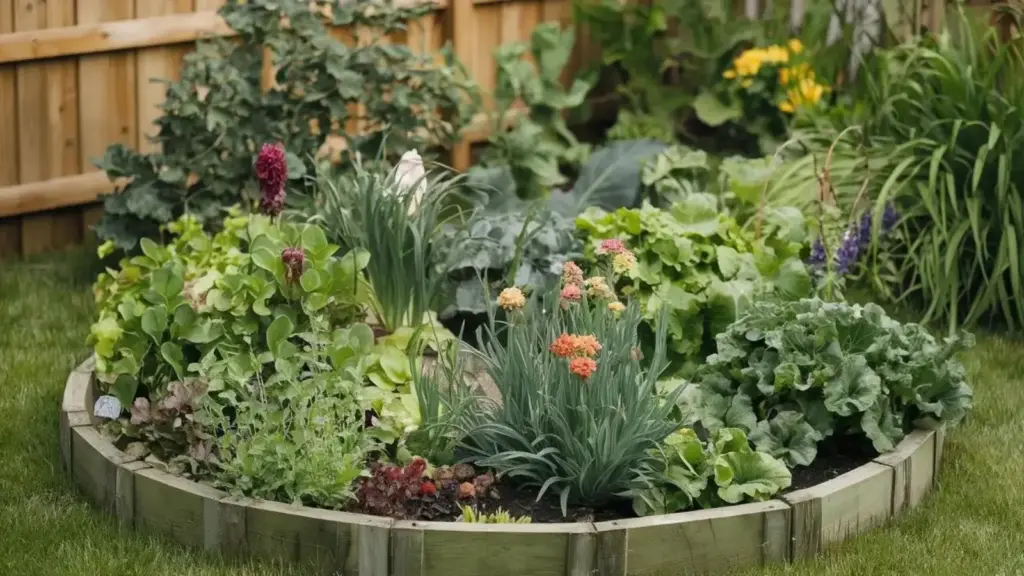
582,367
563,346
572,274
587,345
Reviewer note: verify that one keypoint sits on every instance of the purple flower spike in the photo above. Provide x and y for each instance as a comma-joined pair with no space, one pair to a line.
817,259
271,171
889,218
864,230
849,249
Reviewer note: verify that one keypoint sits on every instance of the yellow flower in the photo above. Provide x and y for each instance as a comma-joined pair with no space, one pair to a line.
795,46
784,76
776,55
729,74
747,83
786,106
597,287
623,262
616,307
511,299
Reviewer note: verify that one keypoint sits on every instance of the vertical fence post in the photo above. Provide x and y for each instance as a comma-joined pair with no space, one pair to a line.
461,19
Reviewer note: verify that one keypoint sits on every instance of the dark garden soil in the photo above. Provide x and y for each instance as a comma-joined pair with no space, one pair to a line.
834,459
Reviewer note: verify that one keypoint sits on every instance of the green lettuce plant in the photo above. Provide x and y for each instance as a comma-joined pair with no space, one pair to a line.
792,374
699,267
688,472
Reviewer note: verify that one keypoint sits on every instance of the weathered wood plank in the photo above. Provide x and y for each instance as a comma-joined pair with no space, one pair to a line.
157,63
124,493
940,443
174,506
108,109
840,508
699,542
457,549
406,549
69,420
913,463
94,464
324,540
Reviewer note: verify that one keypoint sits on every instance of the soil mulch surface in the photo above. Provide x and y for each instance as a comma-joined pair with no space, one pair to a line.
833,460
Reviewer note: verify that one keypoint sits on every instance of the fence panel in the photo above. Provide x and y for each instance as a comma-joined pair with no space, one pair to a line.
75,77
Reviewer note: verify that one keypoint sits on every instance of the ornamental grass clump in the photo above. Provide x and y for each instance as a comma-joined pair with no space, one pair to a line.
578,412
396,218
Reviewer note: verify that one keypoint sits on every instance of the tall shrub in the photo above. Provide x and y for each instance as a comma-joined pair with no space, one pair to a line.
216,116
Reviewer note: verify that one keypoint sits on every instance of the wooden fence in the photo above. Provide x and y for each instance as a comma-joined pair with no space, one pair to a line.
75,77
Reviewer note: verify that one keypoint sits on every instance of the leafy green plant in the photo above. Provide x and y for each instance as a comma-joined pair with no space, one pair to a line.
216,116
657,53
217,307
699,267
791,374
300,440
578,412
518,243
539,143
946,112
688,472
394,218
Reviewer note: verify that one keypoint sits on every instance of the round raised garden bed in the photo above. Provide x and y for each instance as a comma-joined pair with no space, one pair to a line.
796,525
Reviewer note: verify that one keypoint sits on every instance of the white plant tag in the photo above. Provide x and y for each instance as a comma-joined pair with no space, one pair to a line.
107,407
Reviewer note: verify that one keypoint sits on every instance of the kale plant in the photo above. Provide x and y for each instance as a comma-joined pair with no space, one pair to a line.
217,115
792,374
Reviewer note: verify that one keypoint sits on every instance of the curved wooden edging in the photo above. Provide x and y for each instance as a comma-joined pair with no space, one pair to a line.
798,525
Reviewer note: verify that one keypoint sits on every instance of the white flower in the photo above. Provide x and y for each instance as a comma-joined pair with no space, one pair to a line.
411,177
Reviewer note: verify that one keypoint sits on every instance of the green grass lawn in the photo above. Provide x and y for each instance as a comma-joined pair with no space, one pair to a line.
973,525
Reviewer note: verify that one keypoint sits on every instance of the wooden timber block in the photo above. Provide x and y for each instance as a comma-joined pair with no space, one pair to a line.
940,443
69,420
840,508
186,511
224,526
94,466
327,541
464,549
913,462
78,392
700,542
124,493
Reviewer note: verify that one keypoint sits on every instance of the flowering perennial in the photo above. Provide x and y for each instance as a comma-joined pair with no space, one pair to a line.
790,84
271,172
572,274
511,299
294,260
